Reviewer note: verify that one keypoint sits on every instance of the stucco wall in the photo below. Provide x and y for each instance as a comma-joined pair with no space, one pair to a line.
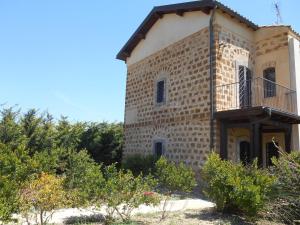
166,31
272,50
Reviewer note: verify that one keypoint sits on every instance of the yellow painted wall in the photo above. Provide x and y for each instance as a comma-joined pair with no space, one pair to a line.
236,135
272,38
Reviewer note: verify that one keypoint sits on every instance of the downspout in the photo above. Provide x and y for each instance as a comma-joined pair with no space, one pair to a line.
211,73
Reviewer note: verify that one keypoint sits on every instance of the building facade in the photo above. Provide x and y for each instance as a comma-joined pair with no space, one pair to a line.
201,77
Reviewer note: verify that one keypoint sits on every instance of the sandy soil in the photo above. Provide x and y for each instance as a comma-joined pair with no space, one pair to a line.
187,217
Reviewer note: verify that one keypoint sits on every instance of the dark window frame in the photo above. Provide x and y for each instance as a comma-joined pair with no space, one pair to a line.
156,143
269,75
160,94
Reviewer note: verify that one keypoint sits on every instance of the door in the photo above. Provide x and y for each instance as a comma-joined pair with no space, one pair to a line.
245,152
244,87
271,151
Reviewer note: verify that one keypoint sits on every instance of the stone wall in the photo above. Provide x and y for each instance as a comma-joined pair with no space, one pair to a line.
183,122
232,50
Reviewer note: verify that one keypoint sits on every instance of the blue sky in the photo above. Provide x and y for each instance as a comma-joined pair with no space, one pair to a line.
59,55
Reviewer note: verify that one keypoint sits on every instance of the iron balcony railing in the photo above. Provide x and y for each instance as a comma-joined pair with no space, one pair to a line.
255,92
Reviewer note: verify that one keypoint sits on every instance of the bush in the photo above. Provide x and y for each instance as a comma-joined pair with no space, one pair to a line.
235,188
284,205
41,196
122,192
174,178
138,164
15,167
83,177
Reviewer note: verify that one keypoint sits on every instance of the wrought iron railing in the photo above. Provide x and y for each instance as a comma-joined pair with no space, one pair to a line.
255,92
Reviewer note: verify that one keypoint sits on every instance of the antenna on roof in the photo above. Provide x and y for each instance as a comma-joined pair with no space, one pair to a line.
278,12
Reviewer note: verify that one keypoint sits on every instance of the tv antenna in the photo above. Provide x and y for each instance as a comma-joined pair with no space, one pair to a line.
278,12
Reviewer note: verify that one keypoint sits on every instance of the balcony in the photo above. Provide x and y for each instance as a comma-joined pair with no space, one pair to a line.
255,92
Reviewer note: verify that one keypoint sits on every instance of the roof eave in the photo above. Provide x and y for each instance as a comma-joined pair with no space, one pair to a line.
157,13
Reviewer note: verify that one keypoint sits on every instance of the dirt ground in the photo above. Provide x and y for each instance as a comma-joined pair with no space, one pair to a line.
189,217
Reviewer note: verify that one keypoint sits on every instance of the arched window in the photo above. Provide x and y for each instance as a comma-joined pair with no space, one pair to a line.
269,82
160,91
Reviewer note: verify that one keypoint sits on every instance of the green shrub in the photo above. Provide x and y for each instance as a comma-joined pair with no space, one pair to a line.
41,196
138,164
122,192
83,176
236,188
284,204
174,178
15,167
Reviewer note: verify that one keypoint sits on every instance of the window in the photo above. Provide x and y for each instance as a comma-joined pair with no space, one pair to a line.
160,92
244,86
158,148
269,82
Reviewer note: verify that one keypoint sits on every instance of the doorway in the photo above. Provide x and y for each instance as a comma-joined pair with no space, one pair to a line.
245,156
271,151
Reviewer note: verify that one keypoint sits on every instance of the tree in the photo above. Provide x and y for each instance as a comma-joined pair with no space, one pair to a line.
104,142
122,192
42,195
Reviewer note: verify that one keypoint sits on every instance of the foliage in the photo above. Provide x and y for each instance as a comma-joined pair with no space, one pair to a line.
83,177
15,166
39,133
41,195
33,143
104,142
122,192
174,178
284,204
138,164
236,188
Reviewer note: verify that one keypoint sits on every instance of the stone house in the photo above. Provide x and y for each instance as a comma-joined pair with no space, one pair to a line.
201,77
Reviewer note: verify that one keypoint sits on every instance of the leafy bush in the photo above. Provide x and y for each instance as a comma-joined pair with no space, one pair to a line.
138,164
15,167
174,178
83,177
236,188
284,204
41,196
122,192
31,143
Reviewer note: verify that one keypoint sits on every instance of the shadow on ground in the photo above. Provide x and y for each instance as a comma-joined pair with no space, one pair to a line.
95,218
210,215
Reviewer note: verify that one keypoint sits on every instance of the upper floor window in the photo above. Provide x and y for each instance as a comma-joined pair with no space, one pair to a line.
161,91
269,82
